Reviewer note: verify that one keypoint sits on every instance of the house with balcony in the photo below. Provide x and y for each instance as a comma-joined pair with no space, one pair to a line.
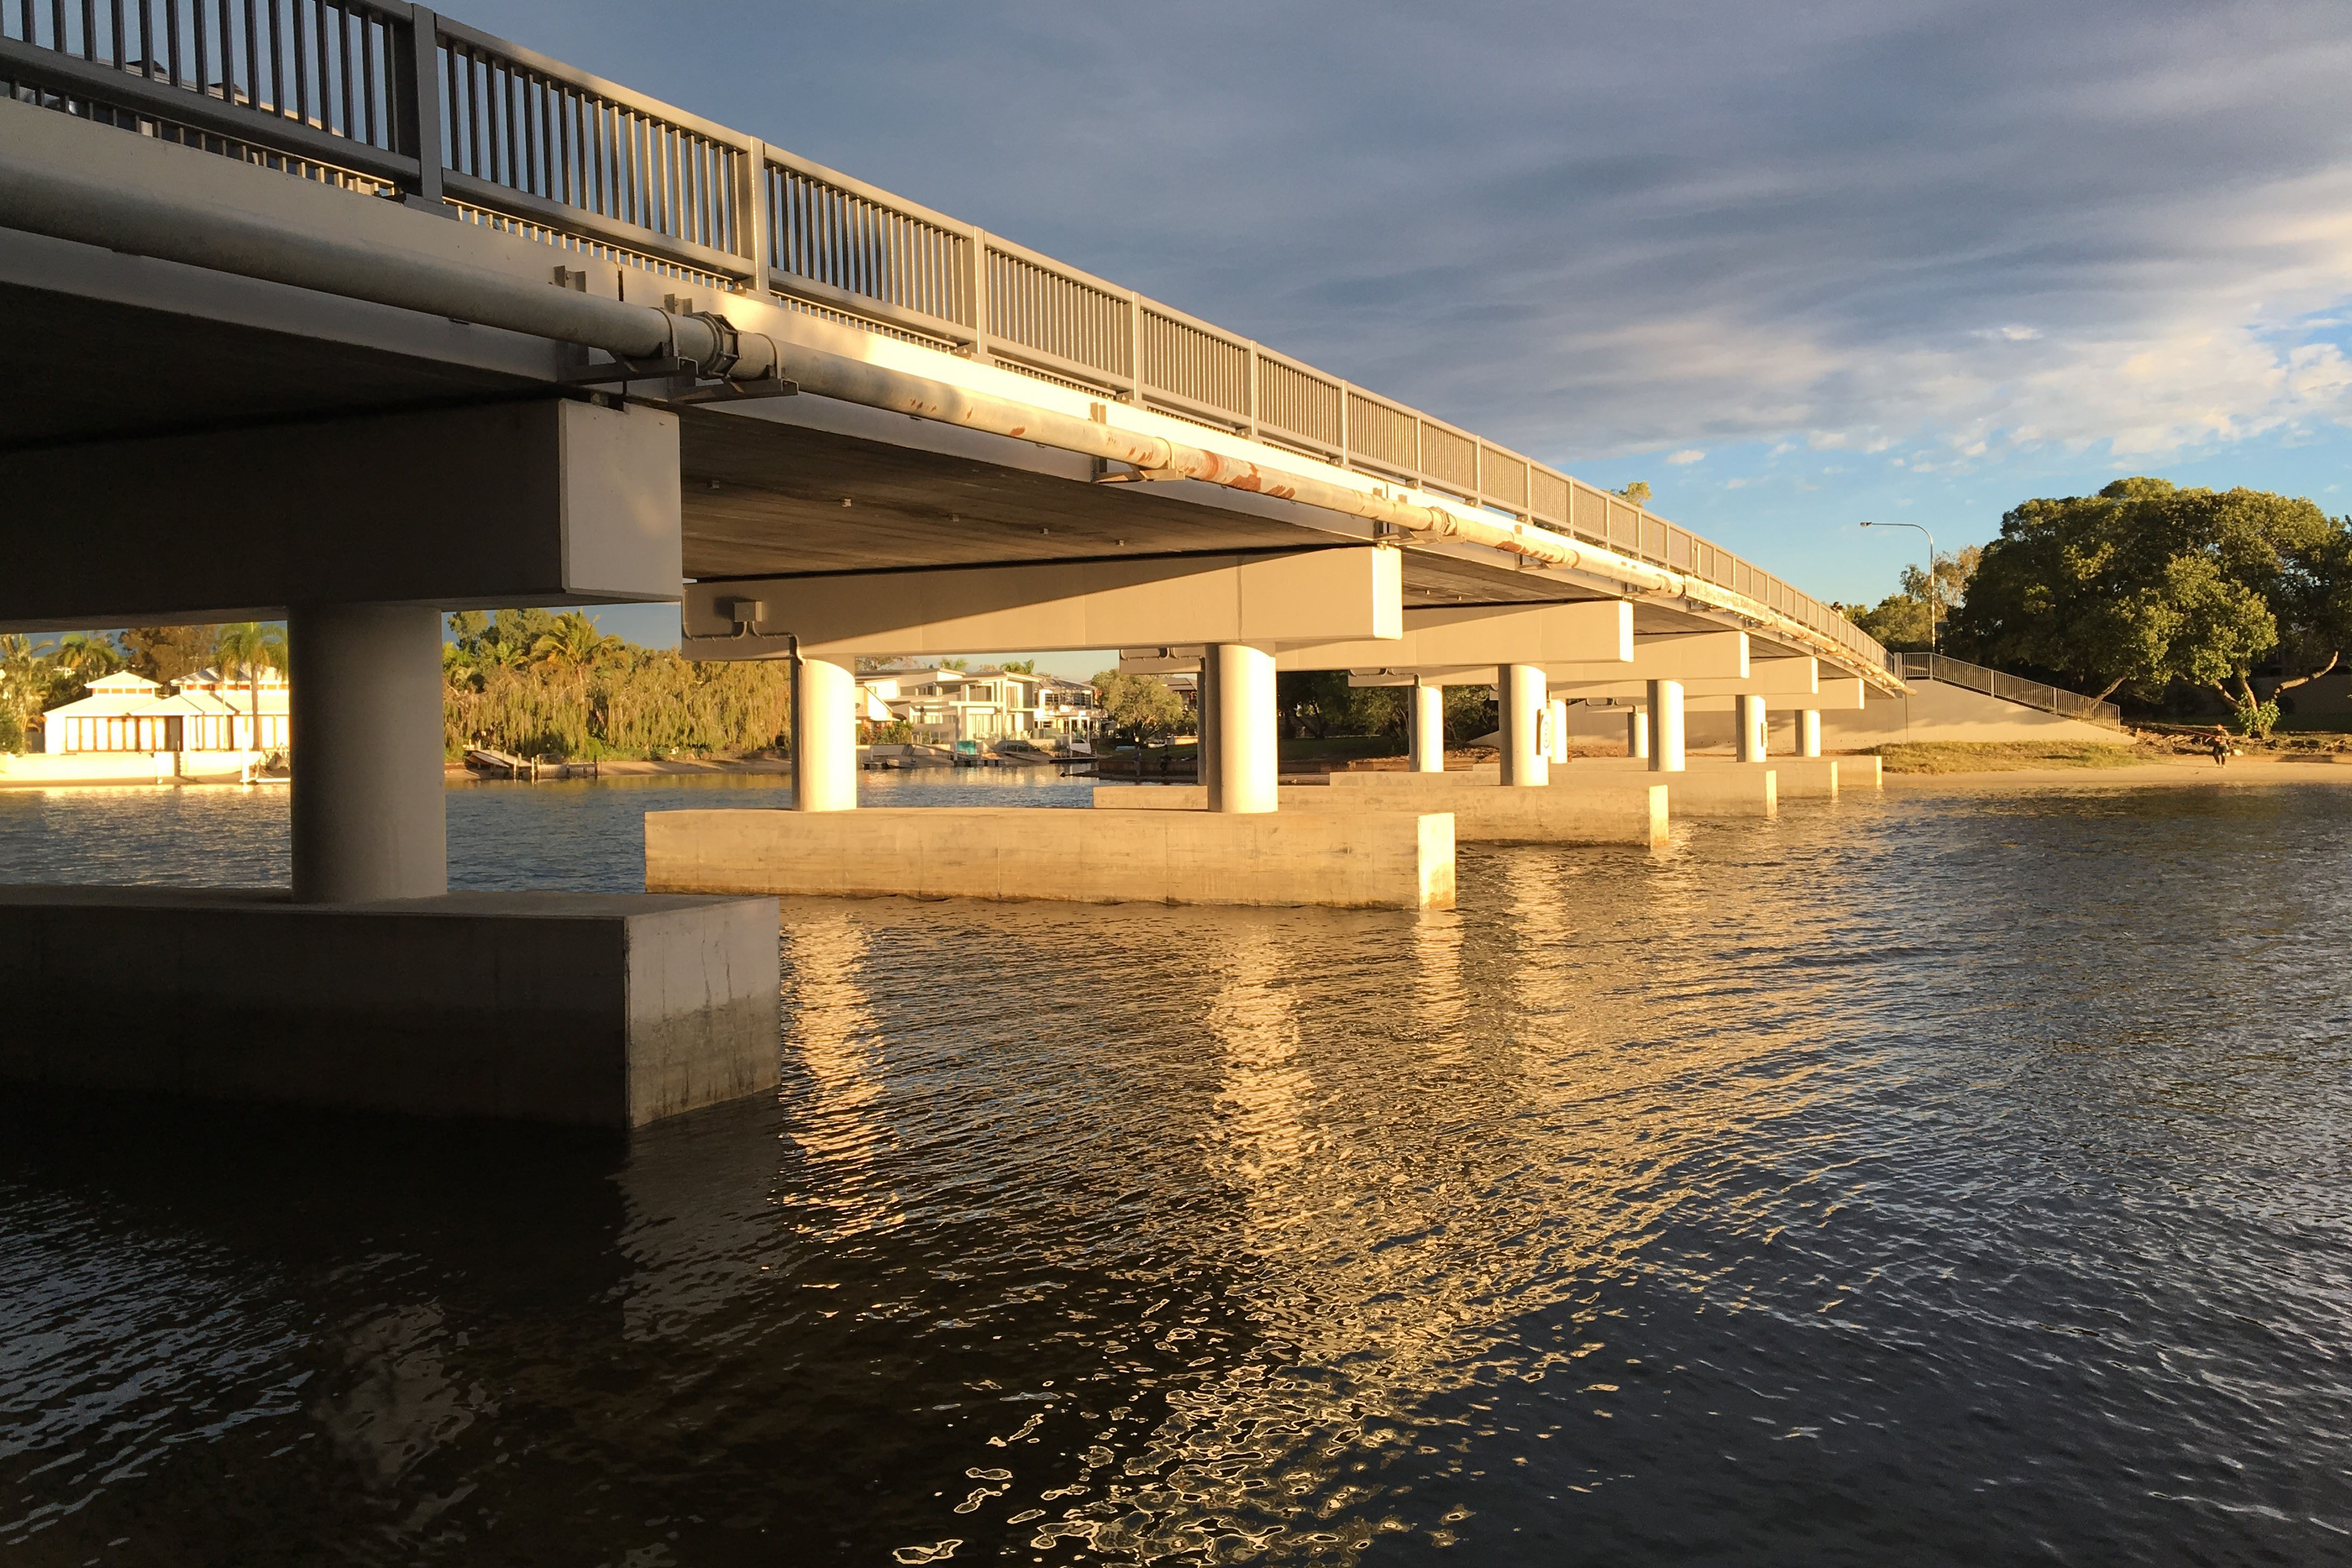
945,706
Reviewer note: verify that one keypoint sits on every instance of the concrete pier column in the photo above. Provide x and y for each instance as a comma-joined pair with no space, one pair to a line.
1521,691
1245,767
1752,719
1637,733
1556,731
1428,729
1808,732
368,817
1666,727
825,736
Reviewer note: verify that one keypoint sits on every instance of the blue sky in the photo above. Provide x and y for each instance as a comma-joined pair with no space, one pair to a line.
1795,267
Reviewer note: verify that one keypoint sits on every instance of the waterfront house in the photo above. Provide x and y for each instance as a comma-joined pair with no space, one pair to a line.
945,706
204,712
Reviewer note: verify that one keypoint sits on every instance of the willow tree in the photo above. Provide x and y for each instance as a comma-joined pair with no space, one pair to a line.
2145,585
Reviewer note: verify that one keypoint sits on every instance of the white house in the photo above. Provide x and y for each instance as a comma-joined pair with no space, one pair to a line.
204,712
949,705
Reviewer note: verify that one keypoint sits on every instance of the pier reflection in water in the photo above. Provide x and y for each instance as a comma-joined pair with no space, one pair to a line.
1908,1180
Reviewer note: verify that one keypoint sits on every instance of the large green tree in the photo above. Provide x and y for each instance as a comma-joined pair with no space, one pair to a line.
2145,585
1140,707
164,654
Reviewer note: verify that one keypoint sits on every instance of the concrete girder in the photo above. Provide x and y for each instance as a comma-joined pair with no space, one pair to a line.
1784,678
1590,630
511,504
1686,656
1833,695
1259,600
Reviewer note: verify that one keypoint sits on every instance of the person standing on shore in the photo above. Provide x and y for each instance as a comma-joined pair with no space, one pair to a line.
2220,747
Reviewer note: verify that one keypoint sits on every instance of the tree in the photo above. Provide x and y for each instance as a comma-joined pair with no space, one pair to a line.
1143,707
1019,667
1638,492
164,654
250,648
2145,585
572,642
1470,711
26,678
1321,703
1900,620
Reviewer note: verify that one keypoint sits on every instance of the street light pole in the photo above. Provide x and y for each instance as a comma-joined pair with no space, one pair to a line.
1933,593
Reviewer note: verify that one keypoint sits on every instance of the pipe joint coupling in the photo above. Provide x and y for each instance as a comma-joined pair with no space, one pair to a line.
726,349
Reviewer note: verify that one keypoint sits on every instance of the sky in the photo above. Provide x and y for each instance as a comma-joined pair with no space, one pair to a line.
1794,266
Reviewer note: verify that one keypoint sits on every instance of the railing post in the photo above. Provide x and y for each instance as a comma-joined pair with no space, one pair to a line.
423,114
976,284
1134,347
752,211
1252,398
1346,441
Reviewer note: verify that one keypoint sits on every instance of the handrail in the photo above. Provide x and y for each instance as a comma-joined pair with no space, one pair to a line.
2009,688
388,98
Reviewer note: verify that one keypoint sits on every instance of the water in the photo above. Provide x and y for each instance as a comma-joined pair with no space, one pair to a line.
1933,1178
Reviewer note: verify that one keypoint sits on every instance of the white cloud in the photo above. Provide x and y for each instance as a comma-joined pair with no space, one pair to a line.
1687,456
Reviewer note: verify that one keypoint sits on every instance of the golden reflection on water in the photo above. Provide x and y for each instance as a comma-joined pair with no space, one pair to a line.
1378,1123
833,1034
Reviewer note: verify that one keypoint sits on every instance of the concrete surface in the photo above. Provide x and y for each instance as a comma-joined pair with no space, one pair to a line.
43,770
1714,787
1369,861
1795,777
1936,712
1634,812
585,1009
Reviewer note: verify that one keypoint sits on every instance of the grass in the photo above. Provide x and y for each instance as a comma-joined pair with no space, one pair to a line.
2002,756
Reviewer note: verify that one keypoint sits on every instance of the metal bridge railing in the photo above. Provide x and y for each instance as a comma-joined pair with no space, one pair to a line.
389,99
2009,688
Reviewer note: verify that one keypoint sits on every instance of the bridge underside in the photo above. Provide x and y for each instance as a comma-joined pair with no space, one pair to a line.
767,488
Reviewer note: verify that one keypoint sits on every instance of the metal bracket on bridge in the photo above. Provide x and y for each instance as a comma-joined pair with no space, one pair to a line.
681,379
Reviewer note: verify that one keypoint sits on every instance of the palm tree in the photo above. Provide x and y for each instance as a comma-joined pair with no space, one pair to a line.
250,648
575,640
86,656
24,678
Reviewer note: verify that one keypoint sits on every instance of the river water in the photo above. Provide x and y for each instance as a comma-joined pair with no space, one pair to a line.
1941,1177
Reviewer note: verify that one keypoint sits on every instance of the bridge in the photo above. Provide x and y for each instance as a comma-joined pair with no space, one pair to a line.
348,312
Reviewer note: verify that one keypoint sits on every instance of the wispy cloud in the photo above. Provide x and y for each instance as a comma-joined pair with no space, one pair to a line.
1687,456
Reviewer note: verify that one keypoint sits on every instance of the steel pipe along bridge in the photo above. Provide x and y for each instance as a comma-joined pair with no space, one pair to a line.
414,320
